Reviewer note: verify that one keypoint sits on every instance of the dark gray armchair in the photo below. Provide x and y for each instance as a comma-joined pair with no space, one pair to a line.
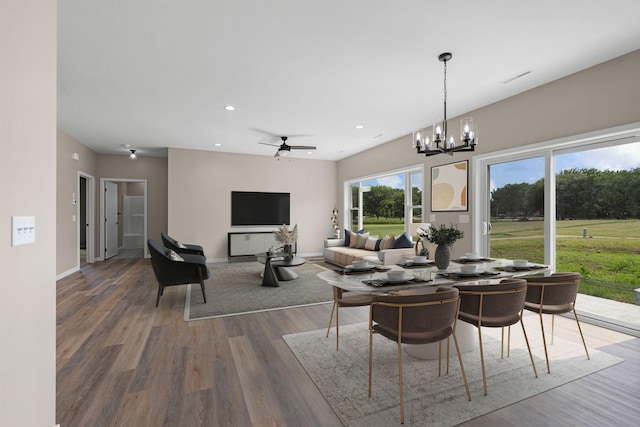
183,270
181,248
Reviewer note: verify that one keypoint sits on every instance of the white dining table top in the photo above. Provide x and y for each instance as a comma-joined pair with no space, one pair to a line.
353,281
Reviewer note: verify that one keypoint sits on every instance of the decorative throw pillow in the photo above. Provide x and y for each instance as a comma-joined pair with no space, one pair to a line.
362,240
174,256
370,244
353,239
347,237
386,242
377,246
402,241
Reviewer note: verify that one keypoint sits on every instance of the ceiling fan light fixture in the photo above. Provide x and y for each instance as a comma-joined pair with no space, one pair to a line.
133,155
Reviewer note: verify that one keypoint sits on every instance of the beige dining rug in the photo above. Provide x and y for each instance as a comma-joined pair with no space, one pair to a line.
342,376
236,288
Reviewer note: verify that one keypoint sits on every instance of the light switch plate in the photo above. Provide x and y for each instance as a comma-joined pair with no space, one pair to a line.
23,230
463,219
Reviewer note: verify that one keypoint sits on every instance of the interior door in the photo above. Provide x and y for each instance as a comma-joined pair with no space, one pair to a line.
111,219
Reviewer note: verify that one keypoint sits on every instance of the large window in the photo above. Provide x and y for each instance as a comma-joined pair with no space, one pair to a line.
385,204
572,203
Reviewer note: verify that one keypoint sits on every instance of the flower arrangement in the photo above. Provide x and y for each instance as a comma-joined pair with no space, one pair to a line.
286,236
441,235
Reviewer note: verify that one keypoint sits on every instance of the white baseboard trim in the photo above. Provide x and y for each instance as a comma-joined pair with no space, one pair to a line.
66,273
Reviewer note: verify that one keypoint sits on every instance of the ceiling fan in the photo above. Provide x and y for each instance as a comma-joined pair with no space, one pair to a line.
284,148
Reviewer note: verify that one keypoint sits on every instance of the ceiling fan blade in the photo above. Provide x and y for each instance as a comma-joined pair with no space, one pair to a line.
303,147
272,145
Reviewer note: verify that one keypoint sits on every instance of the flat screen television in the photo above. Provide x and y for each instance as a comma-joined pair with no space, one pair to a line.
259,208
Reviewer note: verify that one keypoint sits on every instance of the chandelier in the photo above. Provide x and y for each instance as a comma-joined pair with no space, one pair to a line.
444,140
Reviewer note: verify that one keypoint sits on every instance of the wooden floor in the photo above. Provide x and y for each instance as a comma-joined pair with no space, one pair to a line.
123,362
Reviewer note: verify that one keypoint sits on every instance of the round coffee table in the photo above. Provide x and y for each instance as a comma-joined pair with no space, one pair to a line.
276,268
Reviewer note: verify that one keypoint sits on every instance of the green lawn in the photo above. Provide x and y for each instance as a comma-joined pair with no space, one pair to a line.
608,258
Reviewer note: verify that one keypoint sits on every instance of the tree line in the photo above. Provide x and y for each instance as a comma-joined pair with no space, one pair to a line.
381,201
580,194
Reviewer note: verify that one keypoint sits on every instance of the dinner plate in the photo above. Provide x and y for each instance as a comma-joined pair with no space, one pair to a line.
523,267
427,262
352,267
474,273
404,279
464,258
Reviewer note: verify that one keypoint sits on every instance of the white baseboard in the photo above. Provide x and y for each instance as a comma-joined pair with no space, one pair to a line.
66,273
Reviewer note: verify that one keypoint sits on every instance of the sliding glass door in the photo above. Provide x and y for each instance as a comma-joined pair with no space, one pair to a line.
517,209
573,204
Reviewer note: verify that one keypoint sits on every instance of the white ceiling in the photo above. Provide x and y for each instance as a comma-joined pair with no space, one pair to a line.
157,73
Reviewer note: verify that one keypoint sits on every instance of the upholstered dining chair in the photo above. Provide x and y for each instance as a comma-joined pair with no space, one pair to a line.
494,306
181,248
171,268
554,294
415,319
342,298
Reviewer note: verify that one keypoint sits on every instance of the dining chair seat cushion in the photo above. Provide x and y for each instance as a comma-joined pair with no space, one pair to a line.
548,309
413,337
354,300
490,321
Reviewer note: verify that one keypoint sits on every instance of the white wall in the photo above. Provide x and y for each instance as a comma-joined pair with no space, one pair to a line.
200,185
28,174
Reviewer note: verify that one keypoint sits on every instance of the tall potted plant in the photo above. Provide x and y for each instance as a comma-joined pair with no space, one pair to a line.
444,237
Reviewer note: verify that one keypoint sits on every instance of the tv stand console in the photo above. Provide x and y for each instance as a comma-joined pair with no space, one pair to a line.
250,243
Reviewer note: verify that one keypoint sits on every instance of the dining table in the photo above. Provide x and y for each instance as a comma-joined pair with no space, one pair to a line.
425,277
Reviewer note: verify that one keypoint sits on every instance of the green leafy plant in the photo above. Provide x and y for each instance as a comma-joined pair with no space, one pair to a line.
443,235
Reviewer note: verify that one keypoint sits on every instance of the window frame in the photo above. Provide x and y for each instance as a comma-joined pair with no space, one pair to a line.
409,203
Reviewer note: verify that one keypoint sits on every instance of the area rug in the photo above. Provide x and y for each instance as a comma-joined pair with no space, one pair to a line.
342,376
235,288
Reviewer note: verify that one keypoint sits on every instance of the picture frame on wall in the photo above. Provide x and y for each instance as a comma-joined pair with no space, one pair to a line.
449,187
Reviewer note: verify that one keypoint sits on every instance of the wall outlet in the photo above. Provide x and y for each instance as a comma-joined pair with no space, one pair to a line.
23,230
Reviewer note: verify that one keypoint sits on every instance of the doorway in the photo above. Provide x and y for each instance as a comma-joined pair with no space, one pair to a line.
86,219
123,222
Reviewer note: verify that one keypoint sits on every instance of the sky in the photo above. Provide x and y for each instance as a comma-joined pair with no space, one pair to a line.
620,157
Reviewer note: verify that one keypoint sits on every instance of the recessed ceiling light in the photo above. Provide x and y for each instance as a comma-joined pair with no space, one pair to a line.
359,126
229,107
218,144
